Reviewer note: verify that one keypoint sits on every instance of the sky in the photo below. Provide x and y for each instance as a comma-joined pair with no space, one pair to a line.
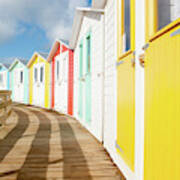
27,26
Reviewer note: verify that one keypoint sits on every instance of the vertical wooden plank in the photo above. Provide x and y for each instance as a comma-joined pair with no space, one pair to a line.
70,82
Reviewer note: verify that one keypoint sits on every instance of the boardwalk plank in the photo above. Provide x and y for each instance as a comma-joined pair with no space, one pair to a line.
53,147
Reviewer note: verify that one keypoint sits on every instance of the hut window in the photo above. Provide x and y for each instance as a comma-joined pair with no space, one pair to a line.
57,70
88,53
21,76
168,11
127,23
35,74
41,74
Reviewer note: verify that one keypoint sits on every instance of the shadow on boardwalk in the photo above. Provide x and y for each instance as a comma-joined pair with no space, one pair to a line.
72,165
36,163
75,164
10,140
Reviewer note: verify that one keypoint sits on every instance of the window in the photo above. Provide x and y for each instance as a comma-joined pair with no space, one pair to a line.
21,76
57,69
88,53
41,74
127,26
168,11
35,74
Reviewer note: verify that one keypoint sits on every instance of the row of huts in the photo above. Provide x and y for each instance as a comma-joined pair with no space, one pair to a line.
46,80
119,76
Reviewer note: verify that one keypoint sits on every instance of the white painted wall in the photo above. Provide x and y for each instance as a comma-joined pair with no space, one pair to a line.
3,83
91,22
139,90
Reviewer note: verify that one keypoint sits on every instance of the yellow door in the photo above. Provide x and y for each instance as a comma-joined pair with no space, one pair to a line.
162,106
126,110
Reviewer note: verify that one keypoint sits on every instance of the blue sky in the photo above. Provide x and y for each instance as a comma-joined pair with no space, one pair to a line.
30,25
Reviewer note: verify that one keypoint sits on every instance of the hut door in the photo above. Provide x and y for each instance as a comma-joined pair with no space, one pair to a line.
88,80
80,99
162,107
36,86
16,90
61,83
41,88
65,81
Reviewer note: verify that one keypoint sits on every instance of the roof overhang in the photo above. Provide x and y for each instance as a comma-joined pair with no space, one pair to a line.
55,48
80,13
99,4
14,63
34,56
2,65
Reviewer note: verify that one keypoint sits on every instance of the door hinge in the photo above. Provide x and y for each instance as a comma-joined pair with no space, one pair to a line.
118,147
175,33
146,46
119,63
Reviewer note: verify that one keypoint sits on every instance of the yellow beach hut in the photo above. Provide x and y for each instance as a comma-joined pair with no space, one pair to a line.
39,80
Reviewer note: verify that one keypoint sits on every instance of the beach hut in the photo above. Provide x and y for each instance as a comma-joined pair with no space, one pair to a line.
4,76
61,59
18,73
141,87
39,80
88,43
162,87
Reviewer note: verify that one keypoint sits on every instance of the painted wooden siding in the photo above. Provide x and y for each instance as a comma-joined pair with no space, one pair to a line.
93,23
47,85
70,82
31,74
5,84
162,87
110,79
26,86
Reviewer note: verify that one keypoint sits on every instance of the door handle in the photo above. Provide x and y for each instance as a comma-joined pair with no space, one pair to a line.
141,59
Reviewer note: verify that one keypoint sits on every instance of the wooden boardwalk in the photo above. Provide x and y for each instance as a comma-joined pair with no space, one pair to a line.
38,145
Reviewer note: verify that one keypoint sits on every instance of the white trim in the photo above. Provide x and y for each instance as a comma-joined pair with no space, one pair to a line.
80,13
99,3
14,62
1,64
139,91
90,10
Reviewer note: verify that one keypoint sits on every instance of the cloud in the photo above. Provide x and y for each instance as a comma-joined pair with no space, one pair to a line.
55,17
